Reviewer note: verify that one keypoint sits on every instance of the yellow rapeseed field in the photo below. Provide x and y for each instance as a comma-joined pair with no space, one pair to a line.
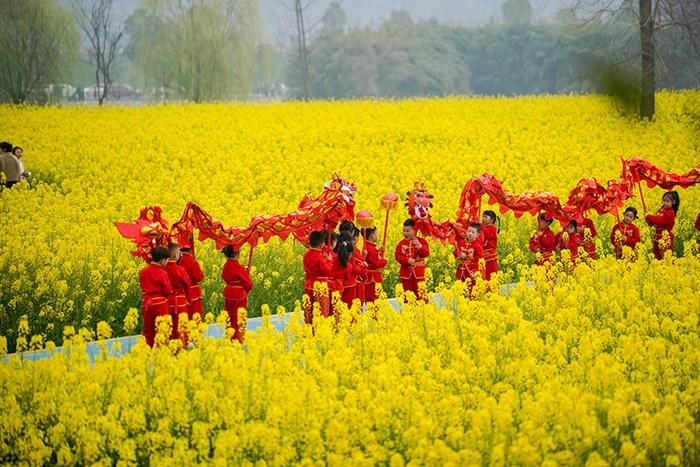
601,368
63,263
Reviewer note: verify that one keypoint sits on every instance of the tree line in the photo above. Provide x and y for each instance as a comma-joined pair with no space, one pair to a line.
201,50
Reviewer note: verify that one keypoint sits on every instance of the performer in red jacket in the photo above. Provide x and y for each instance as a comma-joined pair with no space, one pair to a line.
663,221
468,253
156,291
344,269
318,267
586,231
625,233
543,242
194,271
489,233
238,285
180,282
375,263
568,239
411,253
359,267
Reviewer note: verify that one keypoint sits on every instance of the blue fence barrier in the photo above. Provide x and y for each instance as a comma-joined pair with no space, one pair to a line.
118,346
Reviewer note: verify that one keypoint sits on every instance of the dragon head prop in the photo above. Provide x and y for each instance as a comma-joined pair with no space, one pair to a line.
418,201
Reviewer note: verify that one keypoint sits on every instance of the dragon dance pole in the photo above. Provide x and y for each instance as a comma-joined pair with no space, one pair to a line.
641,195
250,256
389,201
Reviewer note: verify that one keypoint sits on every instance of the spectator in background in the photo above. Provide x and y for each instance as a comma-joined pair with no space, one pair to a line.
18,152
9,165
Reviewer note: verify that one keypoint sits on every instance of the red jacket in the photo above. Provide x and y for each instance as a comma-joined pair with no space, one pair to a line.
587,244
194,271
179,279
544,244
473,250
154,281
406,250
663,220
375,263
624,235
569,242
236,275
343,275
490,236
359,266
317,268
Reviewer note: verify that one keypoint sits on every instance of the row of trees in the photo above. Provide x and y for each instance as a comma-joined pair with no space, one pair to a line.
184,49
212,49
583,50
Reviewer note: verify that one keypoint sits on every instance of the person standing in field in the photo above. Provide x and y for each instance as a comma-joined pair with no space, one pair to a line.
625,233
375,263
411,253
156,291
489,233
318,267
196,276
238,286
586,231
9,165
18,152
180,282
359,267
344,268
568,239
543,242
469,252
663,222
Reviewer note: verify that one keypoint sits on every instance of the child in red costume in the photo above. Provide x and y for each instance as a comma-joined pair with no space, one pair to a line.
489,234
238,286
543,242
156,291
180,281
568,239
318,267
625,234
375,263
663,221
411,253
468,253
194,271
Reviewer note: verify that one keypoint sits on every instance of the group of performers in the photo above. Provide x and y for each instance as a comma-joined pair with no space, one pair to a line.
338,265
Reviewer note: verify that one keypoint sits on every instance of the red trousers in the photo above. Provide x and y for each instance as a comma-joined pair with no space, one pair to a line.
490,267
195,298
348,295
235,298
411,284
177,304
151,308
660,249
370,292
324,303
360,292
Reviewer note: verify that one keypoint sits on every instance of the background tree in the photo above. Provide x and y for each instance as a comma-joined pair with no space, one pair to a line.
105,33
675,23
516,12
197,49
38,46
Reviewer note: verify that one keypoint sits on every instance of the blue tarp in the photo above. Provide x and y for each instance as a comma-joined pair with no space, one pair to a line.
123,345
